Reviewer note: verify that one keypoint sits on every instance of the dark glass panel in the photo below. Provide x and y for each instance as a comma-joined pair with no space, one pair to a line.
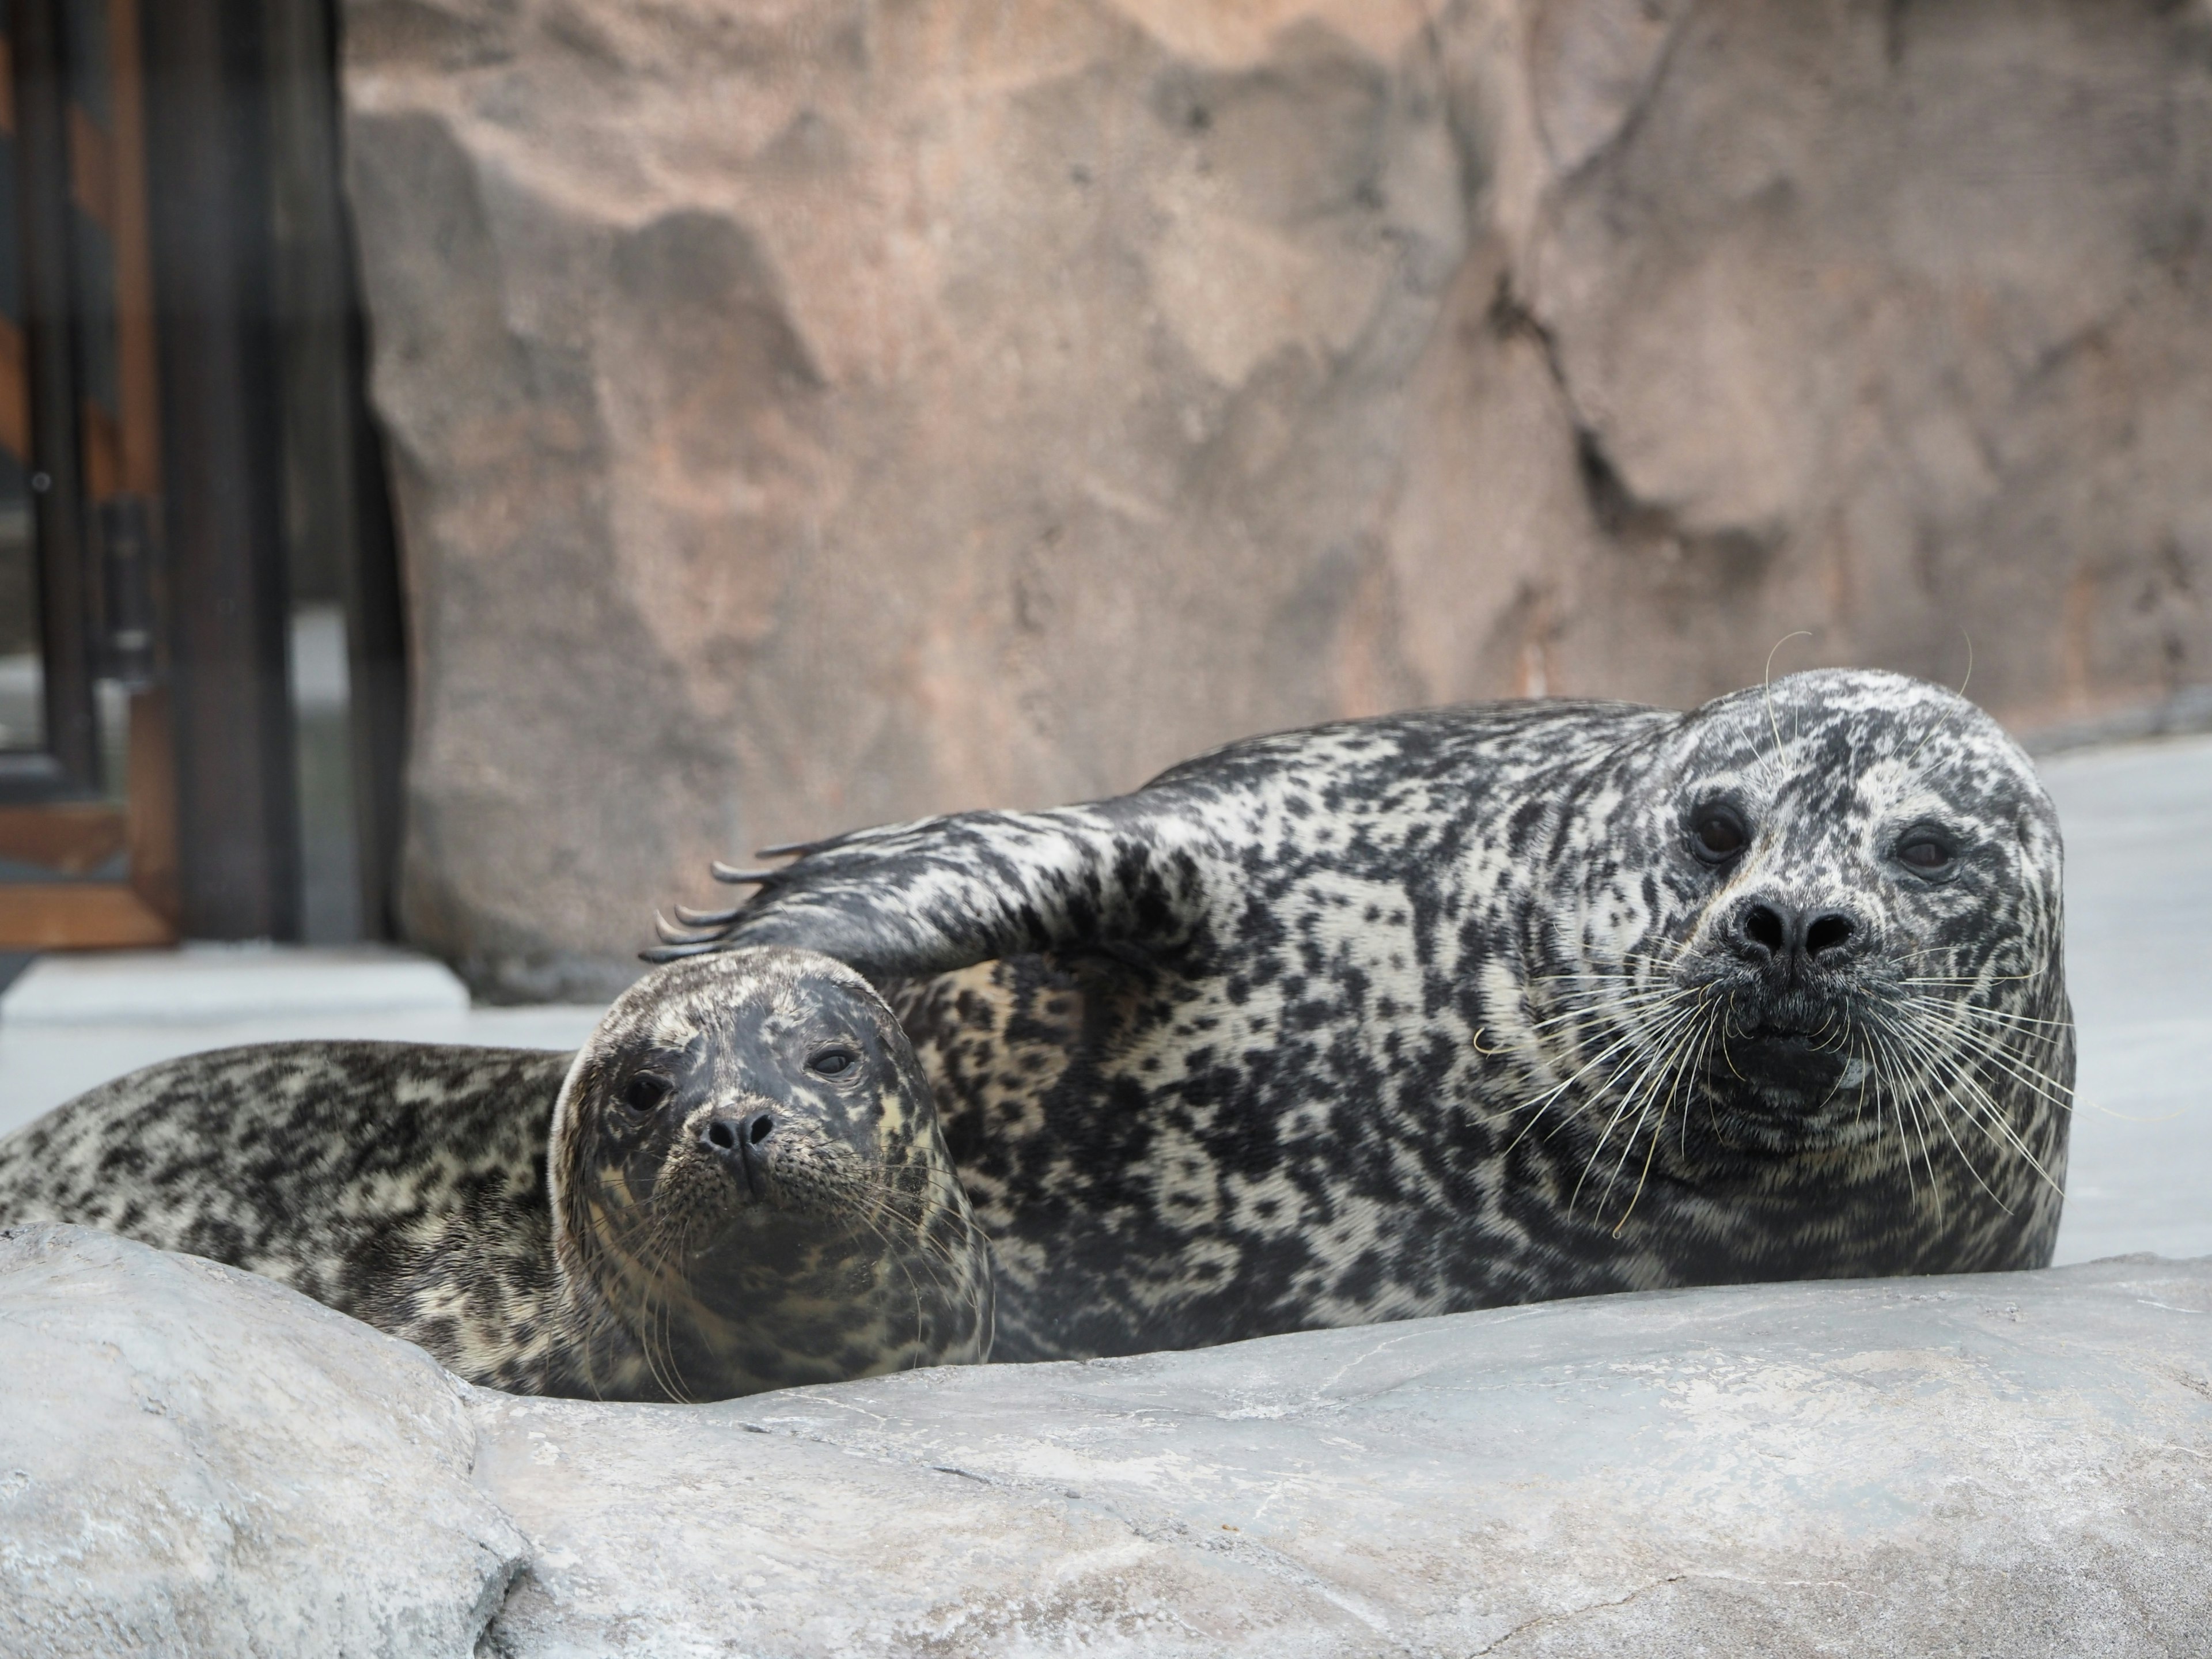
96,299
22,679
84,54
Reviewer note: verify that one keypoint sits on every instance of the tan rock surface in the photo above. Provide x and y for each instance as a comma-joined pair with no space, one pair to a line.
811,412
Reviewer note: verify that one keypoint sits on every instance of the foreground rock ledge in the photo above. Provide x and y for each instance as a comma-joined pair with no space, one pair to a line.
194,1459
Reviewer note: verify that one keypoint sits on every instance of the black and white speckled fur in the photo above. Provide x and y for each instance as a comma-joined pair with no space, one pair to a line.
1452,1008
550,1225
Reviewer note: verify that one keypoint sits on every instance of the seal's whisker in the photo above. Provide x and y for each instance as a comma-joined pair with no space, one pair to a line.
1536,1106
1647,1077
1611,1009
1698,1064
653,1332
1629,1040
1925,1066
1612,1003
1767,687
1898,1074
1974,982
1912,1102
1891,1075
1990,1044
1943,1121
1992,1115
2004,1015
2030,1077
1986,1112
668,1371
1843,1046
921,1316
2036,1082
1676,1066
940,1264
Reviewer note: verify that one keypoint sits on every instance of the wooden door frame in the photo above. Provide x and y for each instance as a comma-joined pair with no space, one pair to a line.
228,330
72,167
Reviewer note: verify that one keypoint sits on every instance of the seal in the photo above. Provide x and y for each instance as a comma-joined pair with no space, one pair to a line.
1477,1006
738,1183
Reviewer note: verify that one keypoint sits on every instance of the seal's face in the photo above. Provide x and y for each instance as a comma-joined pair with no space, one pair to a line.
776,1109
1843,924
748,1159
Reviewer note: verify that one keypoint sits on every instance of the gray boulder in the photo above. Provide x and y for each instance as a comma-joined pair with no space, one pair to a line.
2022,1464
194,1461
2015,1464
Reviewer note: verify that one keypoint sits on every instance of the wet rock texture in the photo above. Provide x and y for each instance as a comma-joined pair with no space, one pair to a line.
807,413
2016,1463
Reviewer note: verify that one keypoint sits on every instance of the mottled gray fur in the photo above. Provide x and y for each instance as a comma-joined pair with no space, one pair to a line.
691,1207
1460,1007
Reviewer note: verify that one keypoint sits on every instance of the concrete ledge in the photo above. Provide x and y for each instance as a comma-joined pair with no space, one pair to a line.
2187,712
204,984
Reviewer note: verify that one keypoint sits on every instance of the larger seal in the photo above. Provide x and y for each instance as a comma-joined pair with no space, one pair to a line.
1482,1005
738,1183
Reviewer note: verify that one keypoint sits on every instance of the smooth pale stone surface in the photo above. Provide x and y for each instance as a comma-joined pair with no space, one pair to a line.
2016,1464
2138,826
195,1460
198,1461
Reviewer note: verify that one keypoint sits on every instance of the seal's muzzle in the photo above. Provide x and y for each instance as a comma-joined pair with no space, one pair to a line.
738,1137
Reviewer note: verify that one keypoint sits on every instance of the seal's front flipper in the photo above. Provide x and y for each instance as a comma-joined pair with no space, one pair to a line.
940,894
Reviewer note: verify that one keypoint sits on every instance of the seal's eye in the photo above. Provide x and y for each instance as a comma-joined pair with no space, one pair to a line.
834,1061
1718,832
1925,850
646,1091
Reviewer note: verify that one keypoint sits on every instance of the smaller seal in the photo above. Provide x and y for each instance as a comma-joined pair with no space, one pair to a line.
738,1183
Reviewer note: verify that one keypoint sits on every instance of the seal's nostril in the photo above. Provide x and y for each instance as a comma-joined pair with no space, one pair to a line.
1827,932
760,1129
1763,925
723,1135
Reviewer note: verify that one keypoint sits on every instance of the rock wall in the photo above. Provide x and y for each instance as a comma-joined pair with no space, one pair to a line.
807,413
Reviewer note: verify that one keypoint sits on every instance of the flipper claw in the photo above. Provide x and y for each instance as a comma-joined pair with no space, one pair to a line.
737,877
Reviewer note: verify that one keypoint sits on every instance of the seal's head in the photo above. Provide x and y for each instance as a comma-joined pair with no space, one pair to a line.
1824,916
749,1176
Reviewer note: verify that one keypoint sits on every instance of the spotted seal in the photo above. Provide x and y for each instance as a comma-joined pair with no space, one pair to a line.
1481,1005
738,1183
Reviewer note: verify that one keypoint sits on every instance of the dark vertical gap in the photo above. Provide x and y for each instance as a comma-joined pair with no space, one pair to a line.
377,620
337,521
72,733
318,520
209,201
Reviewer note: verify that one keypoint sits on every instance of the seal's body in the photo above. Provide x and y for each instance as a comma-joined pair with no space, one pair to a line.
738,1184
1477,1006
